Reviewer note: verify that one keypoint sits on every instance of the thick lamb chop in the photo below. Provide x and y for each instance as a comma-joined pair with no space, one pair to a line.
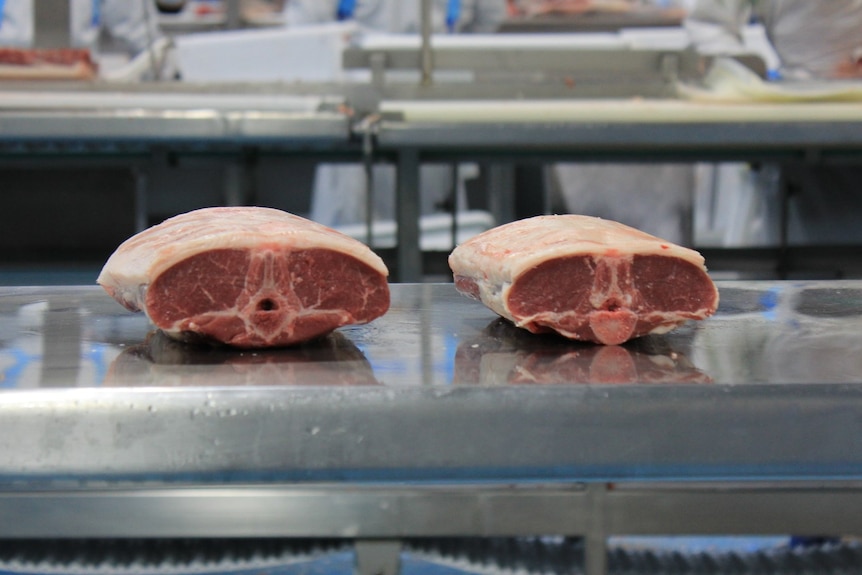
247,277
585,278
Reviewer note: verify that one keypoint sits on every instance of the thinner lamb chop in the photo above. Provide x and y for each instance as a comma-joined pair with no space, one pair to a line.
586,278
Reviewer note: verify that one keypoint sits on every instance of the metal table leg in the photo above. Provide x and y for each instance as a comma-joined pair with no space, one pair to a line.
595,548
501,191
141,206
378,557
409,258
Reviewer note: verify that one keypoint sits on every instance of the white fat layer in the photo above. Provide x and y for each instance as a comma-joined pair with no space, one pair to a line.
505,252
144,256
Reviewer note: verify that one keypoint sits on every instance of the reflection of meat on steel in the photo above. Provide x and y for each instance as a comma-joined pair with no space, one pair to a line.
162,361
506,354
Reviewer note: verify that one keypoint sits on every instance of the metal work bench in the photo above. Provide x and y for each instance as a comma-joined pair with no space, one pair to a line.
437,419
147,127
135,118
627,130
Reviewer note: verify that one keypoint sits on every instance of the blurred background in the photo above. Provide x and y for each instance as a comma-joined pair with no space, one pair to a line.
681,118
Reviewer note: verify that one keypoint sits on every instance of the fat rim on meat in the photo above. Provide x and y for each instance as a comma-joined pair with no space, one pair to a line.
584,277
247,277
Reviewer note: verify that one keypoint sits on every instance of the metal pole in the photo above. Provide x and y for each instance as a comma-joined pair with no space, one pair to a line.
51,25
409,257
453,207
786,189
378,557
427,57
368,164
595,551
233,15
141,209
501,191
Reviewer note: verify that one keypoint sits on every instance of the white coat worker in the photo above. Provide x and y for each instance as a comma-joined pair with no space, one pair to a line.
132,22
338,196
812,38
401,16
653,197
815,40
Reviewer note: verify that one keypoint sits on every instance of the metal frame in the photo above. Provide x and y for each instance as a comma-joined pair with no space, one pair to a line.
531,142
425,456
378,517
506,58
151,126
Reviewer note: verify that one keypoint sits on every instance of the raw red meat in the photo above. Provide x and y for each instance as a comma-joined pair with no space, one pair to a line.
48,64
585,278
247,277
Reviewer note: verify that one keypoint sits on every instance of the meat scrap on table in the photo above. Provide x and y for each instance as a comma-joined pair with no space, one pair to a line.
47,64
